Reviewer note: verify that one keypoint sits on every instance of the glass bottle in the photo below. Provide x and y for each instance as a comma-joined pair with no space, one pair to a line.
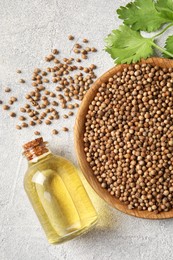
56,193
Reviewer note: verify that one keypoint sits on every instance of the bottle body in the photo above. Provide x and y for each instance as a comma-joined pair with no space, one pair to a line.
59,198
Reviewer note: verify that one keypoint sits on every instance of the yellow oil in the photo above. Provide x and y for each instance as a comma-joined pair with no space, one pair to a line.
59,198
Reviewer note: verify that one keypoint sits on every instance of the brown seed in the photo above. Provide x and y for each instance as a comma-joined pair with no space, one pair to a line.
78,60
21,81
18,71
54,103
47,122
47,92
76,105
45,80
65,116
22,118
37,70
86,70
88,49
70,113
93,49
92,66
27,96
44,73
27,106
13,99
6,107
83,51
18,127
56,61
32,123
7,89
22,109
24,124
10,102
55,51
78,46
12,114
1,102
71,37
70,106
37,133
34,84
84,56
65,129
50,117
76,51
52,94
85,40
54,132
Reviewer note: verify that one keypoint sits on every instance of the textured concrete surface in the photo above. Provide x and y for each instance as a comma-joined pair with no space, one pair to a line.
28,31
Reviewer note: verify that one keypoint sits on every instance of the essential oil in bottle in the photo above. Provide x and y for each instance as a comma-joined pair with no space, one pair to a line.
57,193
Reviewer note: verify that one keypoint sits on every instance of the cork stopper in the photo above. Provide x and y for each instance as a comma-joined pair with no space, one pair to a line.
35,148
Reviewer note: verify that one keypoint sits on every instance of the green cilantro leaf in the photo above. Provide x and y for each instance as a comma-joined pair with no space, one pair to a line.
126,46
142,15
169,46
165,7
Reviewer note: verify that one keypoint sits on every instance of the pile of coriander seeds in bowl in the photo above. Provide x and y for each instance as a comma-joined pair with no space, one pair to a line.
128,137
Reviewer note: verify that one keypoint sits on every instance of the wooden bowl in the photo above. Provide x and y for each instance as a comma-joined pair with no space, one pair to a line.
79,144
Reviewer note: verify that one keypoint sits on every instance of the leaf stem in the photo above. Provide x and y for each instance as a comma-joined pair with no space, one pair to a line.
166,28
162,50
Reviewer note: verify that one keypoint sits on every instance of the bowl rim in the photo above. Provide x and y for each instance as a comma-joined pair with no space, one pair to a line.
79,144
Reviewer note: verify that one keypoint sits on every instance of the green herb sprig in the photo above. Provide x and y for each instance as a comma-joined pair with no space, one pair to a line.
126,44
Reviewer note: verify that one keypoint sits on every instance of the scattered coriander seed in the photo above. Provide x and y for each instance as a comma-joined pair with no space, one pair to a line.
47,122
70,106
76,51
18,127
7,89
86,70
84,56
52,94
10,102
71,37
37,133
45,80
85,40
37,70
65,116
65,129
22,118
12,114
54,132
56,61
54,103
78,60
1,102
70,113
24,124
93,49
78,46
6,107
14,99
88,49
32,123
22,109
92,66
55,51
21,81
19,71
50,117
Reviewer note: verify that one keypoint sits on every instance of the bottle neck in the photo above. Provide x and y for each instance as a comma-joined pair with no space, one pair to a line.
40,158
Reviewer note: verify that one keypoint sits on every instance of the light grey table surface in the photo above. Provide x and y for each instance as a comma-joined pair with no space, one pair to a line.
28,31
